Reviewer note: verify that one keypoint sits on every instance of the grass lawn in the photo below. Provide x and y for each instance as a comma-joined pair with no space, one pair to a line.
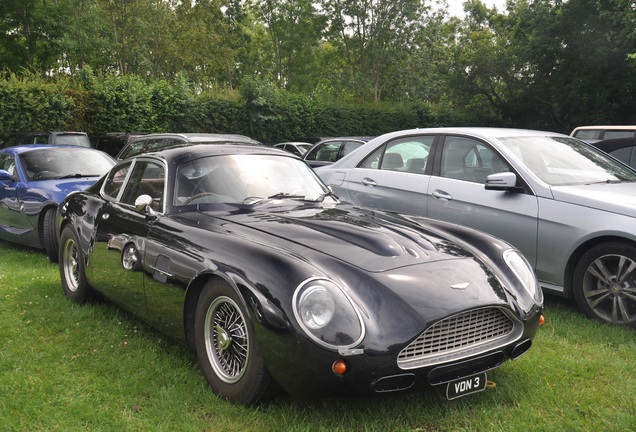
65,367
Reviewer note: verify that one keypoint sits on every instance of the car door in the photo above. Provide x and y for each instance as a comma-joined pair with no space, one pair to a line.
121,232
457,194
394,176
14,221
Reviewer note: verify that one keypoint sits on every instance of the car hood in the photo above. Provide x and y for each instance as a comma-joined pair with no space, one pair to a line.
613,197
371,240
60,188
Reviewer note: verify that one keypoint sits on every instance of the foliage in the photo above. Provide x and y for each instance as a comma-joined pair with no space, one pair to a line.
540,63
30,104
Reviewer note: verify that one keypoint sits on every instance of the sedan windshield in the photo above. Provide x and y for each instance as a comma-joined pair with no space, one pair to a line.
246,179
59,163
565,161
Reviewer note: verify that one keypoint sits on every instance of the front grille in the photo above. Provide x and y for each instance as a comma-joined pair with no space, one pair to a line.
460,336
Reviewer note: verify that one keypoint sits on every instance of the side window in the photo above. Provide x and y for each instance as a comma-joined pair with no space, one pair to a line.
350,146
159,143
133,149
405,154
470,160
147,178
8,164
115,181
327,152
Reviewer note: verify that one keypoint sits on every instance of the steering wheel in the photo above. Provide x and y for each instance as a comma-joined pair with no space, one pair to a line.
199,195
44,173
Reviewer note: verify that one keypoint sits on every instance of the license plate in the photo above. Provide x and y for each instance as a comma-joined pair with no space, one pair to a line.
466,386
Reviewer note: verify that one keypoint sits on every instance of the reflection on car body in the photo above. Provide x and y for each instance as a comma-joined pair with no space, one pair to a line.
247,258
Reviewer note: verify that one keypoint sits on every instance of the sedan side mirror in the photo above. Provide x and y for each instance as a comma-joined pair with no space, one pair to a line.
143,205
502,181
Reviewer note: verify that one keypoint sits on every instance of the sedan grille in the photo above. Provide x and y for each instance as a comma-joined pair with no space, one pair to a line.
460,336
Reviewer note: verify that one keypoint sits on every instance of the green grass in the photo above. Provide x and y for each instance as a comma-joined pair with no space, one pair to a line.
65,367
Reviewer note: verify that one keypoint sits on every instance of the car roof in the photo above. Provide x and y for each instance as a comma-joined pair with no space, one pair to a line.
200,150
609,145
23,148
198,137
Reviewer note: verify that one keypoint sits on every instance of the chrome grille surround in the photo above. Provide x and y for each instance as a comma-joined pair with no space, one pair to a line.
460,336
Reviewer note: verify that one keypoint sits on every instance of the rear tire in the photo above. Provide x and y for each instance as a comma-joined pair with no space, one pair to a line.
72,268
226,347
605,283
49,236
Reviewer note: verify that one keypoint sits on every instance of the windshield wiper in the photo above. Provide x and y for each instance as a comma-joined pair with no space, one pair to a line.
78,175
322,197
279,195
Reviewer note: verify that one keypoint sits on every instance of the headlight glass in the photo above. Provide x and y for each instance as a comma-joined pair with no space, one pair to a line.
522,269
327,314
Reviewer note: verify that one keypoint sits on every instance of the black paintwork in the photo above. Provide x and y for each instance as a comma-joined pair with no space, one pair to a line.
398,270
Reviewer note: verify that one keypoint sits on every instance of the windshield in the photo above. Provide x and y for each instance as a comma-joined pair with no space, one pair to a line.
58,163
565,161
246,179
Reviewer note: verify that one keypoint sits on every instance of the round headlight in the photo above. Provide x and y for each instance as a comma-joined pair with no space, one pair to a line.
316,307
327,314
522,269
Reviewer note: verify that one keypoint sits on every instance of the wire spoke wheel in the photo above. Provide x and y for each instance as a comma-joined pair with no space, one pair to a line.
227,341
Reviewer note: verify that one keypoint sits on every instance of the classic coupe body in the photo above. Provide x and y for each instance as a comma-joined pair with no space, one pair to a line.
33,180
243,254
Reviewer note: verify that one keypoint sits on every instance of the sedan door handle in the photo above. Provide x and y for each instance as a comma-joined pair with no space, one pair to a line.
368,182
442,195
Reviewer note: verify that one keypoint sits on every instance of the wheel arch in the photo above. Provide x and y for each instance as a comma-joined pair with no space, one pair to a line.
192,297
578,253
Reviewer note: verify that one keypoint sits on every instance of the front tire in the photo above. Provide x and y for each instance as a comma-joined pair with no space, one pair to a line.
72,268
605,283
226,346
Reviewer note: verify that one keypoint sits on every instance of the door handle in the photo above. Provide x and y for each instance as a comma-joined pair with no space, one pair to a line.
368,182
442,195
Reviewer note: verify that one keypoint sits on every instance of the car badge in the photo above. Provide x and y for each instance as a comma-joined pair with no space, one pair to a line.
460,286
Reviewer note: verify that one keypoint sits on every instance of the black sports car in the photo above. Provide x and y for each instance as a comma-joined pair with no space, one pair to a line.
245,255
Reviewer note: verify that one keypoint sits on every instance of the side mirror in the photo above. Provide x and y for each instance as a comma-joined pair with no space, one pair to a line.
502,181
143,205
5,176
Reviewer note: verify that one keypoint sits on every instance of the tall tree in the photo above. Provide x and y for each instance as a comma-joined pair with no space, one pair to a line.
295,28
374,37
30,32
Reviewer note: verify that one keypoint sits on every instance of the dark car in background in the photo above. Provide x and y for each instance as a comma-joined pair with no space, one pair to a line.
329,150
33,180
113,142
56,138
623,149
155,142
243,254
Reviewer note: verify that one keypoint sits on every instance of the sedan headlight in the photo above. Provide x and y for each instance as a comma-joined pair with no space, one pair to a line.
327,314
522,269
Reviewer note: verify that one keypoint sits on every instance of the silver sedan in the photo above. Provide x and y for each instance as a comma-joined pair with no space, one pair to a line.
569,207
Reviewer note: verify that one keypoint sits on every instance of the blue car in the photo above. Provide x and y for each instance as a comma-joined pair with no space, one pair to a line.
34,179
